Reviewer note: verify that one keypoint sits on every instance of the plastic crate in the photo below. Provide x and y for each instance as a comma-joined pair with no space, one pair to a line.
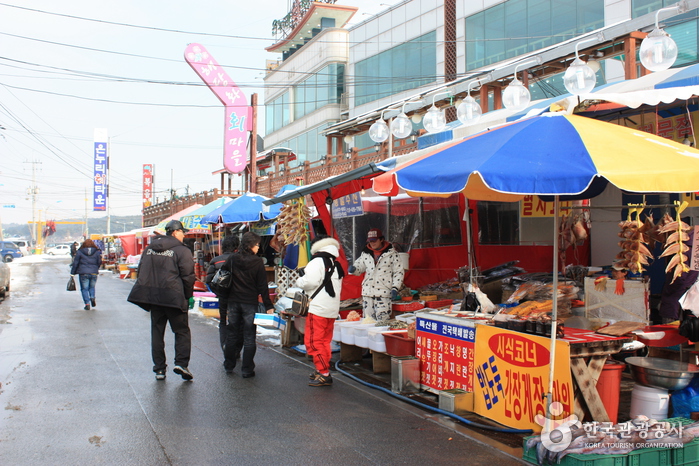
654,456
576,460
440,303
428,297
407,307
689,453
398,343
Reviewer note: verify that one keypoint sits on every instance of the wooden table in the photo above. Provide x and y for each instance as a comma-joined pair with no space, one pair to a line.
588,353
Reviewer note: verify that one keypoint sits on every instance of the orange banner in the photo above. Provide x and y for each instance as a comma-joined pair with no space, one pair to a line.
511,377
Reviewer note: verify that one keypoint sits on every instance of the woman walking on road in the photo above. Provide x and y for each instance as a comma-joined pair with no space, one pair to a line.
87,263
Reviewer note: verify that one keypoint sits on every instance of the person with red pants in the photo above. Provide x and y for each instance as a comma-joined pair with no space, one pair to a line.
323,272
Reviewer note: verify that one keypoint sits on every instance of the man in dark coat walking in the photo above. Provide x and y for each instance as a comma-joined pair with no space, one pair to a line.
164,285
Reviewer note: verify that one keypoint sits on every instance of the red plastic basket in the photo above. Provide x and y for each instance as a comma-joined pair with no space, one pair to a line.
407,307
440,303
398,344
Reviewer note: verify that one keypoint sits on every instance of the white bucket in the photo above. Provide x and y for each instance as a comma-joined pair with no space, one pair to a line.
405,257
651,402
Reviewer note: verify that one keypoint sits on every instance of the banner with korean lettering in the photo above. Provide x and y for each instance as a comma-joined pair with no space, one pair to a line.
534,206
237,120
147,185
348,206
101,165
446,352
511,376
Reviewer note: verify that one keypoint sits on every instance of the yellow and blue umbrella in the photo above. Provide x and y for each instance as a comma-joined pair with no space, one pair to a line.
549,155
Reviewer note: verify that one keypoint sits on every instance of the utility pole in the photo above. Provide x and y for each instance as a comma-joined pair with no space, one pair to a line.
85,228
33,191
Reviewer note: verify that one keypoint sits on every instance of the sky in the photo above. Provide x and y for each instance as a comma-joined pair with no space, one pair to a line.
69,67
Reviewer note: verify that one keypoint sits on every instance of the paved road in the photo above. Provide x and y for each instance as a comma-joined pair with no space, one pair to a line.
77,388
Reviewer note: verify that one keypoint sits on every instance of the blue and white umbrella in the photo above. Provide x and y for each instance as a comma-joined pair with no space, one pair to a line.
247,208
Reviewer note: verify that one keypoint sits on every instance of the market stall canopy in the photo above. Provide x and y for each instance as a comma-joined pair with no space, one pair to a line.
159,229
247,208
551,154
193,220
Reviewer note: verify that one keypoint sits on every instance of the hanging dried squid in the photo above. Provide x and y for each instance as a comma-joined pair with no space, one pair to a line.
675,248
634,253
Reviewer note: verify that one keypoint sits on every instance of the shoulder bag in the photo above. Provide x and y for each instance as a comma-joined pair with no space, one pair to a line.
221,282
301,302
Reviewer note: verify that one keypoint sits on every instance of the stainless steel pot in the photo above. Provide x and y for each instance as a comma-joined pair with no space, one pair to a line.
661,373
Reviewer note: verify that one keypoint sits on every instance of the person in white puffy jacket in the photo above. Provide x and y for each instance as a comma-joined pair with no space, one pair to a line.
326,273
384,273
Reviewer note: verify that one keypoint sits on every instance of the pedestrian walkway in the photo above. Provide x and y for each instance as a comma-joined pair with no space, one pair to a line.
78,388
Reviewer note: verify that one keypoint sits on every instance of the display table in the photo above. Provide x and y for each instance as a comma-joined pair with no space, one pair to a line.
587,344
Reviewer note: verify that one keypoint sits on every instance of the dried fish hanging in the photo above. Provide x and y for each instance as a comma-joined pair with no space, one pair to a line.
634,253
293,221
674,244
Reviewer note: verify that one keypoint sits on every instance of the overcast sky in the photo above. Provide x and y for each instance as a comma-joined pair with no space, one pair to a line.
66,68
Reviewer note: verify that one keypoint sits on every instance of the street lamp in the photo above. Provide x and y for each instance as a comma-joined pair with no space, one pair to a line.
658,52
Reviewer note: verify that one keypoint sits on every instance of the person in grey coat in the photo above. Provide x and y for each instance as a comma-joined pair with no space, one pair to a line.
86,263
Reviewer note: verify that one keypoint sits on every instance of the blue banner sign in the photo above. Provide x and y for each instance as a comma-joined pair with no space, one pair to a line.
348,206
101,157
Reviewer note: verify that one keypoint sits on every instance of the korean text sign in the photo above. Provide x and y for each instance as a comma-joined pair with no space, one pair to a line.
512,376
236,120
147,185
100,167
446,353
348,206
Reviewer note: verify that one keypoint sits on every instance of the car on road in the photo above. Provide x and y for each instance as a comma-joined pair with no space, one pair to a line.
4,279
60,249
9,251
22,244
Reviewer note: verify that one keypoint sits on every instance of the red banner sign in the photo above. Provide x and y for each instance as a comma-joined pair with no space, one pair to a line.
147,185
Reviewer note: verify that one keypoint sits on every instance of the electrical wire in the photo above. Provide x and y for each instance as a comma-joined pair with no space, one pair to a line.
506,430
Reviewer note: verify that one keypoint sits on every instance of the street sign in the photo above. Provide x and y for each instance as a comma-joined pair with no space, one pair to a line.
8,206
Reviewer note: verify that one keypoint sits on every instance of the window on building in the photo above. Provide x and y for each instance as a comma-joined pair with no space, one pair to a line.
320,89
310,145
519,26
277,113
406,66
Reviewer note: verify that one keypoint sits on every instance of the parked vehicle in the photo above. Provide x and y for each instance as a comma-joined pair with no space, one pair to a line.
9,251
60,249
22,244
4,279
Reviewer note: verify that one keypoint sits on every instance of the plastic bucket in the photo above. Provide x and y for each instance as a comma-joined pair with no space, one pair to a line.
609,388
651,402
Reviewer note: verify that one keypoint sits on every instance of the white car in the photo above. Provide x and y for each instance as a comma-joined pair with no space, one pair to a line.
61,249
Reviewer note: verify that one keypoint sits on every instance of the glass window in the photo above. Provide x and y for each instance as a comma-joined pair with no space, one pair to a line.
516,26
406,66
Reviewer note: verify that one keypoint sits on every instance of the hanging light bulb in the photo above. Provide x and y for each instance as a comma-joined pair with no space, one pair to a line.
468,111
516,96
378,132
580,78
416,118
658,52
435,120
401,127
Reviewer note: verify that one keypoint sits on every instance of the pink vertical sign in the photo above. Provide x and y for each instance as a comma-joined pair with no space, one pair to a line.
237,121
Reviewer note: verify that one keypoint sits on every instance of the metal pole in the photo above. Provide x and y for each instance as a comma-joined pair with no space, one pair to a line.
554,313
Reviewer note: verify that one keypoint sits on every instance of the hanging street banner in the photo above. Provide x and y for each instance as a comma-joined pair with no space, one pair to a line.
511,376
101,166
147,185
237,120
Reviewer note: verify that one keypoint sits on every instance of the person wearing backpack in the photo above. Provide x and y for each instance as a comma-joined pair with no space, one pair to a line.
324,272
229,246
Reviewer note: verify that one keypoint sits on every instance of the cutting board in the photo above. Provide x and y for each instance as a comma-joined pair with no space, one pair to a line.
618,329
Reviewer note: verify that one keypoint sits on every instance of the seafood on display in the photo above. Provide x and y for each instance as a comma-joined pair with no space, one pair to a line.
606,438
293,221
634,251
675,248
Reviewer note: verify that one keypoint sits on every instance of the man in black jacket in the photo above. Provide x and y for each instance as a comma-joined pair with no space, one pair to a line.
248,286
164,285
229,246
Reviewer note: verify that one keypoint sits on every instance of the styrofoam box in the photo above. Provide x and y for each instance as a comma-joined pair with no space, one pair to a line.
379,346
337,334
347,333
362,342
375,334
408,317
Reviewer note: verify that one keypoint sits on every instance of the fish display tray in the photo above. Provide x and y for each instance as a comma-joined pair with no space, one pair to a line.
408,307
